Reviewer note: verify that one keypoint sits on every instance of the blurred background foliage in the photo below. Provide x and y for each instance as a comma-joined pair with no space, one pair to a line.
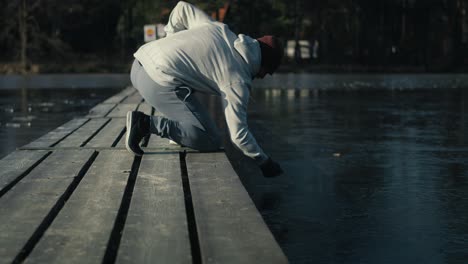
42,36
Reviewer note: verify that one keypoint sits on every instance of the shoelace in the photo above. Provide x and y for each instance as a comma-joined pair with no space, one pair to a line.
189,92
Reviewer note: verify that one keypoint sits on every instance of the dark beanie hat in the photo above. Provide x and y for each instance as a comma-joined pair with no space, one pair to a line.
272,52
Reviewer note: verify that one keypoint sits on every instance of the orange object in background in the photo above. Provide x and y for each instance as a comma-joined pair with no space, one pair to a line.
221,13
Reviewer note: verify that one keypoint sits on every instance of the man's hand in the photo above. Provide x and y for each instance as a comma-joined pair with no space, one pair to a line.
270,168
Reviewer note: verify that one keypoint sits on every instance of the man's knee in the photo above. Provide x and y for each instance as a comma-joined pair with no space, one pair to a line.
201,140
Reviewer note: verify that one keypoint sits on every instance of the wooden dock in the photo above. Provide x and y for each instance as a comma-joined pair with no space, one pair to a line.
76,195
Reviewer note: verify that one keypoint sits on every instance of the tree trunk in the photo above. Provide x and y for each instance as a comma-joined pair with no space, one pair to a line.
456,35
403,22
23,32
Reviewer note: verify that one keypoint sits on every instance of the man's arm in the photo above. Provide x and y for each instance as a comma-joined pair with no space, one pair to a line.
235,109
185,16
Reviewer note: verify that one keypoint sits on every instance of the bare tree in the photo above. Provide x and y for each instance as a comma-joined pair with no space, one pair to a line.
23,33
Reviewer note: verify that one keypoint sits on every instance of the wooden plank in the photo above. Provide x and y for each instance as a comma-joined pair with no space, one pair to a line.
57,134
121,110
100,110
81,135
156,228
16,163
121,143
156,142
115,99
135,98
81,230
107,136
230,229
145,108
26,205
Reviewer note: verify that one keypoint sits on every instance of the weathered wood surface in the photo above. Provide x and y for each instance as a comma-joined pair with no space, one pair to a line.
145,108
230,229
57,134
121,110
16,164
121,143
156,227
81,230
84,133
26,205
108,134
100,110
135,98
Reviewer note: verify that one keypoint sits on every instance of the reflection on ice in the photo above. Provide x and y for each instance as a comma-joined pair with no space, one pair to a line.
18,125
46,104
362,81
23,118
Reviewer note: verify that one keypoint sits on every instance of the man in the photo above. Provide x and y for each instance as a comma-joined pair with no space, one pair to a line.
202,55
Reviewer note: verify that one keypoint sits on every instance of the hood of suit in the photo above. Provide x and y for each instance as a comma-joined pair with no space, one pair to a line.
249,50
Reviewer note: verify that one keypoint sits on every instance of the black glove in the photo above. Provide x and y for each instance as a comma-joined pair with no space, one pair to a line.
270,168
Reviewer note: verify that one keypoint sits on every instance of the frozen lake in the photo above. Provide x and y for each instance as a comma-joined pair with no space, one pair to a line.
372,176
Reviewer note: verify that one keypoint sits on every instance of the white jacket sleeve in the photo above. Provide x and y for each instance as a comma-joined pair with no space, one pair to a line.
185,16
235,104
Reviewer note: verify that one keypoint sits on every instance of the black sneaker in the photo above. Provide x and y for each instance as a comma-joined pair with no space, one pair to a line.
137,128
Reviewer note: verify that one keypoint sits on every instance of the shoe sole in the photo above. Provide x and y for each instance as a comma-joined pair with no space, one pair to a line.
127,134
173,143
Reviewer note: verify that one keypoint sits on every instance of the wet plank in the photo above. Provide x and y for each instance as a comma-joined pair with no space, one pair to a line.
57,134
81,230
135,98
115,99
156,227
107,136
100,110
230,229
80,136
26,205
17,163
121,110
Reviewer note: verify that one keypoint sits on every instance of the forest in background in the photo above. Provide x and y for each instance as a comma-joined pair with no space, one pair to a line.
47,36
